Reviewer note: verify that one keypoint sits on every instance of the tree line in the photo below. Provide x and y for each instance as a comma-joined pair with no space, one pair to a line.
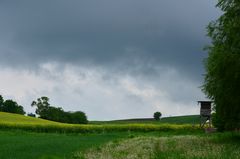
45,111
222,79
10,106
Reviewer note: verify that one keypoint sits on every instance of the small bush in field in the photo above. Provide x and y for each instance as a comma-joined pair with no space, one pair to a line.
157,115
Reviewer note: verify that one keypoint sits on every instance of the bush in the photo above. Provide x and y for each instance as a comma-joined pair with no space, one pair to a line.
157,115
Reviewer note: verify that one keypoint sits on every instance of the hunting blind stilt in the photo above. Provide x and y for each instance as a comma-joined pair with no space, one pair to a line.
205,112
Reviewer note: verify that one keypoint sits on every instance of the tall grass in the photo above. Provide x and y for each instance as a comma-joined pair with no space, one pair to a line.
176,147
30,145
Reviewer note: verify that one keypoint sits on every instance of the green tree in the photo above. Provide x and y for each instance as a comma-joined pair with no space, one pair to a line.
78,117
157,115
12,107
1,102
43,107
46,111
222,80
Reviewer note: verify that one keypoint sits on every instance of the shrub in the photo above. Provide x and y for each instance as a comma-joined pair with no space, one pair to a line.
157,115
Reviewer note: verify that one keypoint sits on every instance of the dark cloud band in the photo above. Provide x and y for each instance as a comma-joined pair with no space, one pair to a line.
115,34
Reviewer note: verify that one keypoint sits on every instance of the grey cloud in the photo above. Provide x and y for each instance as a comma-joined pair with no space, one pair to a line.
121,35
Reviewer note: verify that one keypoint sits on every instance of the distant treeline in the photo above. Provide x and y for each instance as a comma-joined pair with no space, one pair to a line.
10,106
45,111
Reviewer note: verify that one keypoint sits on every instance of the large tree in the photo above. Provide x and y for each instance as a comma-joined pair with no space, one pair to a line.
46,111
222,80
43,107
157,115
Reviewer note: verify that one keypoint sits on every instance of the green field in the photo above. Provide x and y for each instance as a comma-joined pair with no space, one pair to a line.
189,119
24,137
27,145
21,119
13,121
119,145
217,146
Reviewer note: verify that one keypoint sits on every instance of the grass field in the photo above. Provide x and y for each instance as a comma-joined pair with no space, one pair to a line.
21,119
217,146
13,121
189,119
27,145
24,137
119,145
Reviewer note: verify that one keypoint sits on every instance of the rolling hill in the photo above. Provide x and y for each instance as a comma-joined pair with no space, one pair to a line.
21,119
188,119
10,121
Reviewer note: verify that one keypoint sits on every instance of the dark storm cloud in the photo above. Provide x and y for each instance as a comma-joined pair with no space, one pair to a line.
136,35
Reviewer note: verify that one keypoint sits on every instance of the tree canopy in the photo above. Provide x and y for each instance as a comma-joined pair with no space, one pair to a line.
10,106
46,111
157,115
222,80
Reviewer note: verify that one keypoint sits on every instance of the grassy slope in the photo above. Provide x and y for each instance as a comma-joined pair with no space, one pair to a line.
189,119
16,118
59,146
22,145
13,121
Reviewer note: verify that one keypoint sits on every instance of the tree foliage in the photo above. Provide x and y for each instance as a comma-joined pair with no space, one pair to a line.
222,80
43,106
157,115
10,106
46,111
1,101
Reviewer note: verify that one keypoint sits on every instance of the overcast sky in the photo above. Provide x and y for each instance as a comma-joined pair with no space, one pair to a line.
112,59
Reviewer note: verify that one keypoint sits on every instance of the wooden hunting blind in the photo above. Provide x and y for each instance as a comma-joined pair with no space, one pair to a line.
205,112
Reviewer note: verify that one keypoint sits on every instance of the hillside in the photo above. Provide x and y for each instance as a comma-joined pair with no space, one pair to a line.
15,121
188,119
21,119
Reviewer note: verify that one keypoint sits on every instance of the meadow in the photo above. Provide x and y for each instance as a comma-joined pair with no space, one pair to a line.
190,119
29,145
10,121
27,137
217,146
